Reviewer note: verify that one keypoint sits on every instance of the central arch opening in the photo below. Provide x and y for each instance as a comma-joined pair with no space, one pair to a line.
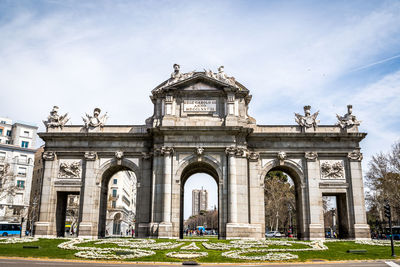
199,201
282,202
117,212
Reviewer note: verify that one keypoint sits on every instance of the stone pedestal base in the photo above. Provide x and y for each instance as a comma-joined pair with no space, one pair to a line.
315,232
244,230
42,229
362,231
88,230
165,230
142,230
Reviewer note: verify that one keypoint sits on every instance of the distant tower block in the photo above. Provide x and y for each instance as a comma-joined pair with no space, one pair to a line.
199,201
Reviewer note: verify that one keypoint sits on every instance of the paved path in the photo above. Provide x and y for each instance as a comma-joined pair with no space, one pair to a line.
59,263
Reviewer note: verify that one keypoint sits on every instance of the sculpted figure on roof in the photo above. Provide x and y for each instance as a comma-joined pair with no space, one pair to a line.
95,120
307,120
54,120
348,120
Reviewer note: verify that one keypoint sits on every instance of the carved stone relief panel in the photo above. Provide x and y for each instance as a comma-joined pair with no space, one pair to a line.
70,168
332,169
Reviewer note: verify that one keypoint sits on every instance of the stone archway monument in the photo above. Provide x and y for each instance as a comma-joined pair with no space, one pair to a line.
201,124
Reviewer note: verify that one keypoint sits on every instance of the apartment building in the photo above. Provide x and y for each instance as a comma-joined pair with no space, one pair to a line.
121,208
199,201
17,150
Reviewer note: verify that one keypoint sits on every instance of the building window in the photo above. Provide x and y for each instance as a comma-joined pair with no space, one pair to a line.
8,142
114,204
115,181
26,133
1,131
20,184
21,171
2,155
8,132
24,144
114,193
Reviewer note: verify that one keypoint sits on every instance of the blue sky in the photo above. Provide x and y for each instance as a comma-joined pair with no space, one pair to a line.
83,54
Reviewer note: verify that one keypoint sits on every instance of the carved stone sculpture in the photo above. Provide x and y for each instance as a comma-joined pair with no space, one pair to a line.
307,120
231,150
311,155
54,120
241,152
348,120
91,155
199,151
333,170
177,76
49,155
281,157
70,170
119,154
355,155
221,76
95,121
147,155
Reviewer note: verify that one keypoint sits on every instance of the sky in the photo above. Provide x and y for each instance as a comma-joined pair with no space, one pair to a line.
111,54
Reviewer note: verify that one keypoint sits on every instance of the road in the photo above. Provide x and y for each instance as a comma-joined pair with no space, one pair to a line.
59,263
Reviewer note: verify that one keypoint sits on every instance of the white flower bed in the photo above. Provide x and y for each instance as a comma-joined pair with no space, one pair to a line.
194,240
191,246
16,240
102,253
141,243
237,254
186,254
377,242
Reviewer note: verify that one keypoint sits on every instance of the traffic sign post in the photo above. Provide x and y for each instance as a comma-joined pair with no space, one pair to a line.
388,215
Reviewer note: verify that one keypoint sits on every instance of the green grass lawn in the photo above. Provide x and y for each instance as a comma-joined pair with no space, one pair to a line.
337,251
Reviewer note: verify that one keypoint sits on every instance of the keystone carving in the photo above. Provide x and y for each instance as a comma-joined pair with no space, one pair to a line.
348,120
119,154
70,170
311,156
332,170
281,157
49,155
307,120
355,155
199,151
95,121
54,120
91,155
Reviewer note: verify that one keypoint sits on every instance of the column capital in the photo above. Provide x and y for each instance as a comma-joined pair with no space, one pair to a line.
166,151
90,156
253,156
49,155
231,150
355,155
311,156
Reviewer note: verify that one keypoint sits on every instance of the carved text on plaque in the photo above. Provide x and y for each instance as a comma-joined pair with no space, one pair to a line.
199,105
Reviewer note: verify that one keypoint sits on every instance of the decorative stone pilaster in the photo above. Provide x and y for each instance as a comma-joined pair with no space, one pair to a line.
311,156
253,156
90,156
49,155
355,155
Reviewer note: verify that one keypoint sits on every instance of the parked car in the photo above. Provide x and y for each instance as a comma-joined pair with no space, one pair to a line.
273,234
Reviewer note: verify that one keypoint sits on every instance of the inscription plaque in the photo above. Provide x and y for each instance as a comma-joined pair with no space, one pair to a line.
199,105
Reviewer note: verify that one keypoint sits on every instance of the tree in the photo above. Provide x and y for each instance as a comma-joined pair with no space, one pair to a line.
8,185
383,181
279,197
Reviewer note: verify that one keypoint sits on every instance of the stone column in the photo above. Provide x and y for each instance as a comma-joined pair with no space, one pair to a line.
45,226
165,228
144,197
361,228
232,195
316,222
256,195
89,199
